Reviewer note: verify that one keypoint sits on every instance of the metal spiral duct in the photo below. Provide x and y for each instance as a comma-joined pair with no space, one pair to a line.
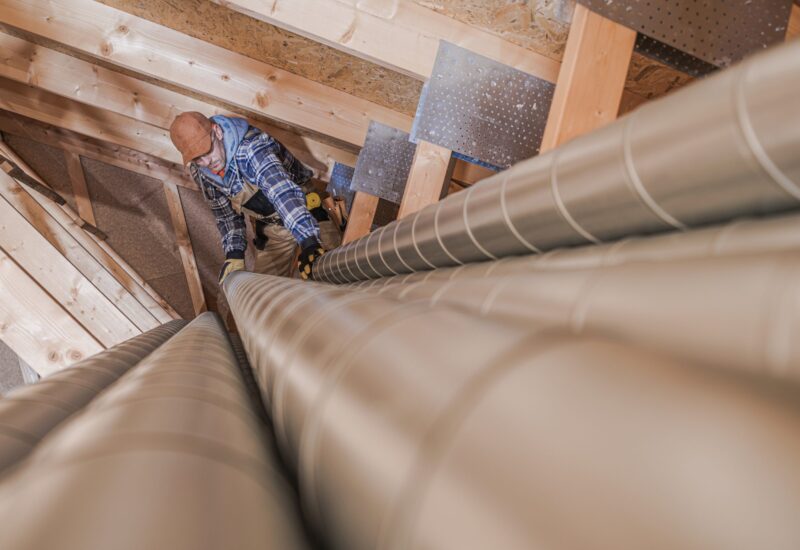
719,149
173,455
413,424
725,296
31,412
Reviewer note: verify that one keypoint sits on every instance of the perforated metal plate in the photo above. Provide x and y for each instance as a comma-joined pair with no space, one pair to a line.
673,57
339,185
719,32
384,162
482,109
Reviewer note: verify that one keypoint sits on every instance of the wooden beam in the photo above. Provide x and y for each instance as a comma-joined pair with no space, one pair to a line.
400,35
79,188
184,243
87,147
592,77
180,60
94,258
86,119
428,179
362,213
794,23
35,326
56,275
63,238
88,83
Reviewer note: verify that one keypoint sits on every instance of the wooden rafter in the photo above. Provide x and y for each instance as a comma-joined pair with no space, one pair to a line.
55,274
109,153
35,326
401,35
91,84
592,77
428,179
362,213
79,188
95,259
185,249
167,55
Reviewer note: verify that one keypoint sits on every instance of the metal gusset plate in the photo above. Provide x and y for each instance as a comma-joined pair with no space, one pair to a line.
719,32
482,109
673,57
384,162
339,184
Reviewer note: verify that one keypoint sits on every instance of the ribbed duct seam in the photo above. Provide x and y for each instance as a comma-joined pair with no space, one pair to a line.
173,455
413,425
31,412
722,148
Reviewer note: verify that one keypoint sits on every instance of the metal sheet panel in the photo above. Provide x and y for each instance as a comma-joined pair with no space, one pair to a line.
384,163
483,109
719,32
339,185
673,57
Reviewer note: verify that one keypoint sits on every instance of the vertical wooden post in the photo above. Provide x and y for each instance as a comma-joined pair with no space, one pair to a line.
79,188
362,213
185,247
592,77
429,177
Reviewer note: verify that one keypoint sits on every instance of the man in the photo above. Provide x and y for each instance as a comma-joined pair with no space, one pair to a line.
242,170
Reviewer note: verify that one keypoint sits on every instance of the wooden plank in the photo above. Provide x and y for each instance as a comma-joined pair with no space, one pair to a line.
35,326
400,35
184,243
73,78
362,213
63,238
79,188
123,278
88,147
592,77
85,119
794,23
59,278
428,179
172,57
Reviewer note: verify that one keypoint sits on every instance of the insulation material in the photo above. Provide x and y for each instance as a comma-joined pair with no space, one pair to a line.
132,210
48,162
10,371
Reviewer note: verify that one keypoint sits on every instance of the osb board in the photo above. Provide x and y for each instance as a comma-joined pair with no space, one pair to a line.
218,25
47,162
132,210
543,26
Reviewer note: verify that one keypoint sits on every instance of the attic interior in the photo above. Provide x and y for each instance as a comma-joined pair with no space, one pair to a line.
558,305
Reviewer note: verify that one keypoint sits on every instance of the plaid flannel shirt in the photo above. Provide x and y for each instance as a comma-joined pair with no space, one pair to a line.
265,162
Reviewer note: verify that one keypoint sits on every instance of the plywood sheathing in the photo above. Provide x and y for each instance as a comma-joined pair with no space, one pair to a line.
46,161
231,30
132,210
543,26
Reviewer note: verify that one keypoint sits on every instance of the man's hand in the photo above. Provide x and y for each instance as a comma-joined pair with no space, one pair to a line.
308,256
231,264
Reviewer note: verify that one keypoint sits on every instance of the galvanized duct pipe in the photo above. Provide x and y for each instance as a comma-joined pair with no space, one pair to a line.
413,426
724,296
171,456
30,412
778,233
722,148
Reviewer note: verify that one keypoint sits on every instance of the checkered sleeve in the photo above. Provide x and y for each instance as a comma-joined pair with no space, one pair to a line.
231,226
264,167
